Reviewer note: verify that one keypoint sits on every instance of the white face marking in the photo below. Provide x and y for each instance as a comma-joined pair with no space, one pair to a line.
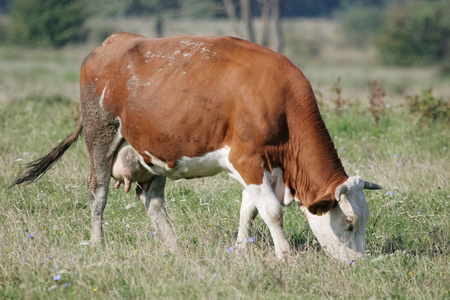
338,238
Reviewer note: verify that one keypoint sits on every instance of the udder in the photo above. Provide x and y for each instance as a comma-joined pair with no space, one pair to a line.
127,167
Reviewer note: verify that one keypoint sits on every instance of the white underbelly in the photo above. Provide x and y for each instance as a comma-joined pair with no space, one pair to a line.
209,164
129,166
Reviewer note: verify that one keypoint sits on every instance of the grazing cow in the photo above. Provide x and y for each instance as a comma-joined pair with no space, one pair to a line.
188,107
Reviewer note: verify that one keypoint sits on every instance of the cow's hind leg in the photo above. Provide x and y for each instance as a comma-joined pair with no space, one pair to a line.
247,214
101,132
151,195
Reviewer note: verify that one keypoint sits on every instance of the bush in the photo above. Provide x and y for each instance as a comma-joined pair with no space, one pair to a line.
428,107
48,22
360,23
415,33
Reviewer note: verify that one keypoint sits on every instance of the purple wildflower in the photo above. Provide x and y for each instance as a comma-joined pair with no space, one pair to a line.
48,257
65,285
57,277
351,263
31,236
152,233
250,239
389,193
230,249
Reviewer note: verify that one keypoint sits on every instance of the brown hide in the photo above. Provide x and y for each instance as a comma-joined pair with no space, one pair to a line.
187,96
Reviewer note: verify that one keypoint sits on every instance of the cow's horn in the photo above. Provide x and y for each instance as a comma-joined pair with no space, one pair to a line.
372,186
342,189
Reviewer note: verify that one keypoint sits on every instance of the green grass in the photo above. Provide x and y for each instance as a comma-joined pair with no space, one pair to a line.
407,233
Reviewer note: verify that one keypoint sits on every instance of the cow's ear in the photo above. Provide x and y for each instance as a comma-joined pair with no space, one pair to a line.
322,205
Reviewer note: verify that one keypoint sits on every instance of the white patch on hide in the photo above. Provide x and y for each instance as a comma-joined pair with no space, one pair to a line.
102,98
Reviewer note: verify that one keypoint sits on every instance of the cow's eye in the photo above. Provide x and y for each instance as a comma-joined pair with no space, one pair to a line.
350,222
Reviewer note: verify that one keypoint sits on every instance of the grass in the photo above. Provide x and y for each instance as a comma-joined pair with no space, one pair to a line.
407,233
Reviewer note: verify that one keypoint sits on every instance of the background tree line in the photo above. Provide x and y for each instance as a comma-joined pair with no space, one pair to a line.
405,32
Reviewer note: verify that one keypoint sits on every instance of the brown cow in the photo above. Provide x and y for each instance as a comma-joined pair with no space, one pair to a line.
189,107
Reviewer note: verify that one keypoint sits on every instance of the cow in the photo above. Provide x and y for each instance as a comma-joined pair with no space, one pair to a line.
186,107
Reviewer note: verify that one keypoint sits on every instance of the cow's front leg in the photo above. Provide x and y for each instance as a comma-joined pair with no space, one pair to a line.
271,212
248,213
151,195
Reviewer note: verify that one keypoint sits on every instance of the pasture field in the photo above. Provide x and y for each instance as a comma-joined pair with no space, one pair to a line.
45,225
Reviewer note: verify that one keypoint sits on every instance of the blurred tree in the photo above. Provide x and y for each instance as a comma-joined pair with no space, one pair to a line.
246,16
271,35
277,32
415,33
202,9
109,8
265,20
160,9
360,23
351,3
48,22
310,8
5,6
230,10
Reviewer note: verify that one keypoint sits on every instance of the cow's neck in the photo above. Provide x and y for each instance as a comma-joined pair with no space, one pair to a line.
312,169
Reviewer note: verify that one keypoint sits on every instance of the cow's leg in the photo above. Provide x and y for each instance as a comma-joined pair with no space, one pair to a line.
98,192
271,212
151,195
247,215
101,132
262,194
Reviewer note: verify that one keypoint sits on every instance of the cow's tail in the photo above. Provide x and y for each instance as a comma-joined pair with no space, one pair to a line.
35,169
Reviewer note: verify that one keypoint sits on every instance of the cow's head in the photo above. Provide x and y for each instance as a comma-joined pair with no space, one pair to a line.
341,231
